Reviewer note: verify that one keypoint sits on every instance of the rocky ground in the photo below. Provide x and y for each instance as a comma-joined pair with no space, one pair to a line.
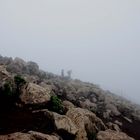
37,105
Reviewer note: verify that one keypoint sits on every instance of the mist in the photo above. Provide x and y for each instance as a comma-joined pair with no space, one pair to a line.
98,40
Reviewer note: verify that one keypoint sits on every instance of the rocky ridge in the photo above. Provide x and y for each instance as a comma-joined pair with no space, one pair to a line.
85,112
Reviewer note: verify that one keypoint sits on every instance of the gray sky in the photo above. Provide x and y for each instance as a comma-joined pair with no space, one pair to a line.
98,39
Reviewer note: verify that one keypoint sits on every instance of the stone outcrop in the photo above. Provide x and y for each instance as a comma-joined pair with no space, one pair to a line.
41,136
87,104
34,94
67,105
113,109
86,122
113,126
60,122
112,135
28,136
32,99
4,75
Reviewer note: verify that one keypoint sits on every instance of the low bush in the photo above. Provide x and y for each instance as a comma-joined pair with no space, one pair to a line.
19,82
56,104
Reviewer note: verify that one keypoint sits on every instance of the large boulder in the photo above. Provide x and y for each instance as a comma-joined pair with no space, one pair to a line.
87,104
67,105
34,94
112,135
32,68
112,109
28,136
6,78
17,66
16,136
61,123
41,136
4,74
86,122
113,126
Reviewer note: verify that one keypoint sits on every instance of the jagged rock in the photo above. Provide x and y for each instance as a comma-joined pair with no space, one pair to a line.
34,94
113,109
5,78
16,136
60,122
113,126
19,61
86,122
106,114
87,104
17,66
109,106
68,105
32,79
28,136
47,87
112,135
32,68
4,74
118,123
5,60
41,136
70,97
93,99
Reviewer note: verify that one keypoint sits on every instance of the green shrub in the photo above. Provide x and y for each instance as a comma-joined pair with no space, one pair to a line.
7,89
19,81
56,104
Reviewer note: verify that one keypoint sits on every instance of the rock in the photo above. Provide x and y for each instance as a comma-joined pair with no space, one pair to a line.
5,60
68,105
93,99
32,68
70,97
118,123
113,109
112,135
113,126
16,136
19,61
106,114
60,122
44,85
87,104
4,74
5,78
28,136
17,66
34,94
86,122
32,79
41,136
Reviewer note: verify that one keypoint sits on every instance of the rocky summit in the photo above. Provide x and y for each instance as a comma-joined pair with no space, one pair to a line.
38,105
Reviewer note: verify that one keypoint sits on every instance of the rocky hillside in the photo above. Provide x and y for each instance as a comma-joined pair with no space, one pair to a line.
37,105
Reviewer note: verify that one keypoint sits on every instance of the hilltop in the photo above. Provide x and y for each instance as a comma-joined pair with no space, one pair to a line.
39,105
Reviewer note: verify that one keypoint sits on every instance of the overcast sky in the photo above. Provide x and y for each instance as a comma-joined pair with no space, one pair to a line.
98,39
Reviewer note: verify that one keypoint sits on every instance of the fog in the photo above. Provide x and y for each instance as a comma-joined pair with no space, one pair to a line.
99,40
